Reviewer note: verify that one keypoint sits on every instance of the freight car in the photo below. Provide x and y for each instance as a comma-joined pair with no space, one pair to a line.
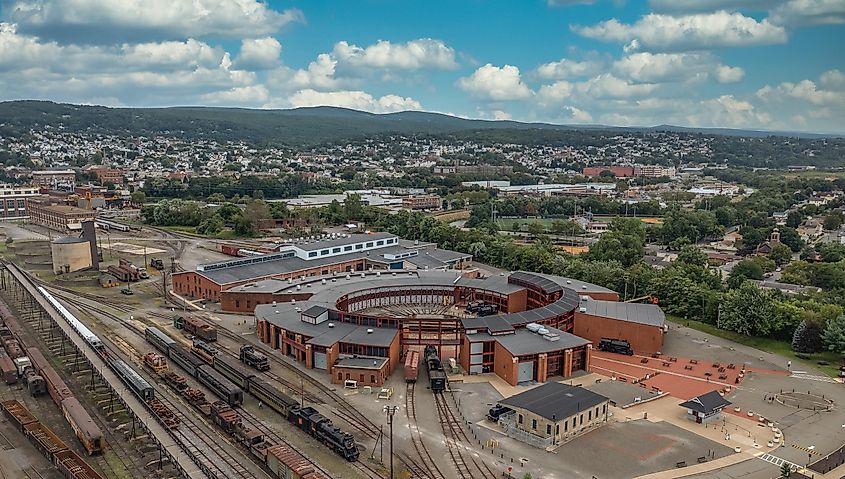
204,351
436,375
219,385
139,386
188,362
68,462
251,357
159,339
233,371
57,388
412,362
83,426
7,369
311,421
200,329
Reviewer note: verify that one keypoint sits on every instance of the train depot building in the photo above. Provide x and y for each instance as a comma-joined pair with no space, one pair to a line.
553,413
358,324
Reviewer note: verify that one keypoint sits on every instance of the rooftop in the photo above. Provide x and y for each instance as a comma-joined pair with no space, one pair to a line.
522,341
555,401
343,241
362,363
648,314
706,403
326,333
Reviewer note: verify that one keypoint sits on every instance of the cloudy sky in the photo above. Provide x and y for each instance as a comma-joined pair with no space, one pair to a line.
769,64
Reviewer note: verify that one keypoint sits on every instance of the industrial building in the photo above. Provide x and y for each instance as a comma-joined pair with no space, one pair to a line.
14,201
59,217
373,315
72,253
55,179
335,255
422,202
554,413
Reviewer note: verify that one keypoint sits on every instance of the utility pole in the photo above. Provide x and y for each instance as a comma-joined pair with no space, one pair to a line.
391,410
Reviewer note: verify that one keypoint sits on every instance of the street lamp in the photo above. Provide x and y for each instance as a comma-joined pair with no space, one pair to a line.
391,410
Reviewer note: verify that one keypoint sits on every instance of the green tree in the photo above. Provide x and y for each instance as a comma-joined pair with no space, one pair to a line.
833,220
744,270
781,254
834,335
831,252
353,207
138,197
808,337
536,228
794,219
747,310
615,246
211,226
217,198
785,470
692,255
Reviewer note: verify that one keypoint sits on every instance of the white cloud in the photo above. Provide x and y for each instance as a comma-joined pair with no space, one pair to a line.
358,100
565,69
259,53
610,87
494,83
645,67
805,90
809,12
554,94
105,21
656,32
252,95
577,115
728,111
710,5
414,55
833,79
728,74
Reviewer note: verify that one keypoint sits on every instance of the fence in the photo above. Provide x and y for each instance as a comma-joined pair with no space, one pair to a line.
509,425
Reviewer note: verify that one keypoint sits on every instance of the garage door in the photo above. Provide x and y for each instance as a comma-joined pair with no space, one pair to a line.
320,360
525,372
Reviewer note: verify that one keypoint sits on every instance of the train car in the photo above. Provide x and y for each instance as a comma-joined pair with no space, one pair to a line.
618,346
285,462
233,371
72,466
311,421
200,329
37,359
92,339
436,375
204,351
131,378
56,387
412,362
219,385
34,382
44,439
251,357
83,426
13,348
185,360
18,413
159,339
8,370
272,397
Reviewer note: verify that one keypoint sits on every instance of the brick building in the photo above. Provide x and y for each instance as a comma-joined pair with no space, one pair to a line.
422,202
59,217
55,179
14,201
641,324
108,175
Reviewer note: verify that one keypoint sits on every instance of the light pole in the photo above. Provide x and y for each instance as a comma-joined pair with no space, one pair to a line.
391,410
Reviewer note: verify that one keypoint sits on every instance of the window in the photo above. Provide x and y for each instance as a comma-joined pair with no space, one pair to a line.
372,378
534,424
520,418
360,378
237,303
604,408
339,376
312,254
582,419
548,428
379,243
565,426
574,422
557,428
335,250
324,252
590,415
347,248
359,246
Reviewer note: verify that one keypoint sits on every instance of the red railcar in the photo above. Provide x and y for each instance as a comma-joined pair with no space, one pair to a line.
7,369
412,363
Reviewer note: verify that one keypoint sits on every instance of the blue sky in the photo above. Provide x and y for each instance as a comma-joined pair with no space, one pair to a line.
768,64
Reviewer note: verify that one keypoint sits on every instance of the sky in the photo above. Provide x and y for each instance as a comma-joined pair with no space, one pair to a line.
759,64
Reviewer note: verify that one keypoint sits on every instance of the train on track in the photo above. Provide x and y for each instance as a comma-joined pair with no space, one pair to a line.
45,440
245,379
200,329
436,374
412,363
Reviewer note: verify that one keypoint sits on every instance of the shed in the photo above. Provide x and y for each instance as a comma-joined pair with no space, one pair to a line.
705,407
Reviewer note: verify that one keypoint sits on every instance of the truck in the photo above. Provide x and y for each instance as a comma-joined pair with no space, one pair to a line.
157,263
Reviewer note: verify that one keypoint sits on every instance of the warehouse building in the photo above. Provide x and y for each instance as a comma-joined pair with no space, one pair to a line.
553,413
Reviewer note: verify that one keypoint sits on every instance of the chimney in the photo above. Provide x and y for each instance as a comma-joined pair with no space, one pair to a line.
90,233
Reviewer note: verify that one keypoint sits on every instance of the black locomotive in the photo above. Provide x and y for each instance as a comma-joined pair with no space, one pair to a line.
311,421
436,375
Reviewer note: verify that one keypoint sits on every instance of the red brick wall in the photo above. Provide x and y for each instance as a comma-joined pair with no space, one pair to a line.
643,338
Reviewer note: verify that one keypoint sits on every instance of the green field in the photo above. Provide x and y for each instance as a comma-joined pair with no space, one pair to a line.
781,348
505,224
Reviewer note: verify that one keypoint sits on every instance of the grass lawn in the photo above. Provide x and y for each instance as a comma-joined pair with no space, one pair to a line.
781,348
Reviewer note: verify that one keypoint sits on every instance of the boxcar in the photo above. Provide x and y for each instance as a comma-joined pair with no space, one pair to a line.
272,397
412,362
57,388
184,359
136,383
219,385
159,339
38,360
8,370
200,329
83,426
233,371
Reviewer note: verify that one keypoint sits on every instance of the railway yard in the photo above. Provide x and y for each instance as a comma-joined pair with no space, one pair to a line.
166,399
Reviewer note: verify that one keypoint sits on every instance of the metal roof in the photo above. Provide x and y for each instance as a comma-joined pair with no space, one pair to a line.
322,334
344,241
706,403
642,313
555,401
523,342
362,363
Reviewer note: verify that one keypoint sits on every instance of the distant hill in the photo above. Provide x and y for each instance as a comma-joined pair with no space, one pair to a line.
299,126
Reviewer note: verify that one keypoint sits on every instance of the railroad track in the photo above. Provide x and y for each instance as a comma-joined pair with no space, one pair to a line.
457,442
428,463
